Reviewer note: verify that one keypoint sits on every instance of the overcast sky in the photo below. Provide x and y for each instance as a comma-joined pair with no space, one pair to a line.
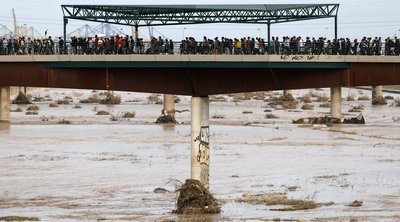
357,18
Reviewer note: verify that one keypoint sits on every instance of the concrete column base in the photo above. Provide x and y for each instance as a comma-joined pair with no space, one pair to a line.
4,104
336,102
200,154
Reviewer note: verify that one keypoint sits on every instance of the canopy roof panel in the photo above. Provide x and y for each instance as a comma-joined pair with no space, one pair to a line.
158,15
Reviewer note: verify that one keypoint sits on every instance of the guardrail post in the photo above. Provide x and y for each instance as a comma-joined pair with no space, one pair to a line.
200,154
4,104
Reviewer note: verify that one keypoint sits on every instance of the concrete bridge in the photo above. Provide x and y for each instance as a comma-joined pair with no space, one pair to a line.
197,76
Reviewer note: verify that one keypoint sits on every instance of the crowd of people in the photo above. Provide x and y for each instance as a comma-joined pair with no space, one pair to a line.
295,45
292,46
23,46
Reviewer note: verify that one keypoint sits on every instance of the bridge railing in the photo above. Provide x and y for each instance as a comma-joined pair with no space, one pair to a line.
183,47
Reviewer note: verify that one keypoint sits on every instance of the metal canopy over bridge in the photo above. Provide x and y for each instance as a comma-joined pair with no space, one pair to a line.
155,15
160,15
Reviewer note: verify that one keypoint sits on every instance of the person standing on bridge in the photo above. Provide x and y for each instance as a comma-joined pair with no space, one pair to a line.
286,45
137,46
357,49
121,45
160,45
247,46
131,45
15,46
60,46
1,47
111,46
100,45
29,46
171,47
22,46
51,46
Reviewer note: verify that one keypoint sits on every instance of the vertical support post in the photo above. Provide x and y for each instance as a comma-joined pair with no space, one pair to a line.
376,92
4,104
287,92
65,35
200,161
377,96
169,105
269,37
336,102
168,111
136,32
336,29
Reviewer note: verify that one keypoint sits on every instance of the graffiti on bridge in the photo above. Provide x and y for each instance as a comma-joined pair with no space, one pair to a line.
203,156
299,57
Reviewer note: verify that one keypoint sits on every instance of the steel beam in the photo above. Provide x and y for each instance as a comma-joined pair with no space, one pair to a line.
136,15
65,36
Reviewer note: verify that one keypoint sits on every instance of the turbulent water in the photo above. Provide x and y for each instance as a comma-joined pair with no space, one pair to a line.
96,169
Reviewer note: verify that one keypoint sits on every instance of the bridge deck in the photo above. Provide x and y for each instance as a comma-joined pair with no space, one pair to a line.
201,58
197,75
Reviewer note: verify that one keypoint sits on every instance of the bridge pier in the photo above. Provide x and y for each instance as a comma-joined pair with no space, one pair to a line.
376,92
287,92
168,112
336,102
377,96
4,104
200,154
169,105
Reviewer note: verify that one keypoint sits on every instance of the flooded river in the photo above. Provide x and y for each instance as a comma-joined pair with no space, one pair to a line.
95,169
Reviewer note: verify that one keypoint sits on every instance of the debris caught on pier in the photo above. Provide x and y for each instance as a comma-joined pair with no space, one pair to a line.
379,101
21,99
166,117
194,198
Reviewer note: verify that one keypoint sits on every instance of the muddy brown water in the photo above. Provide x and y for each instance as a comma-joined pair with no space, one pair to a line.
109,171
